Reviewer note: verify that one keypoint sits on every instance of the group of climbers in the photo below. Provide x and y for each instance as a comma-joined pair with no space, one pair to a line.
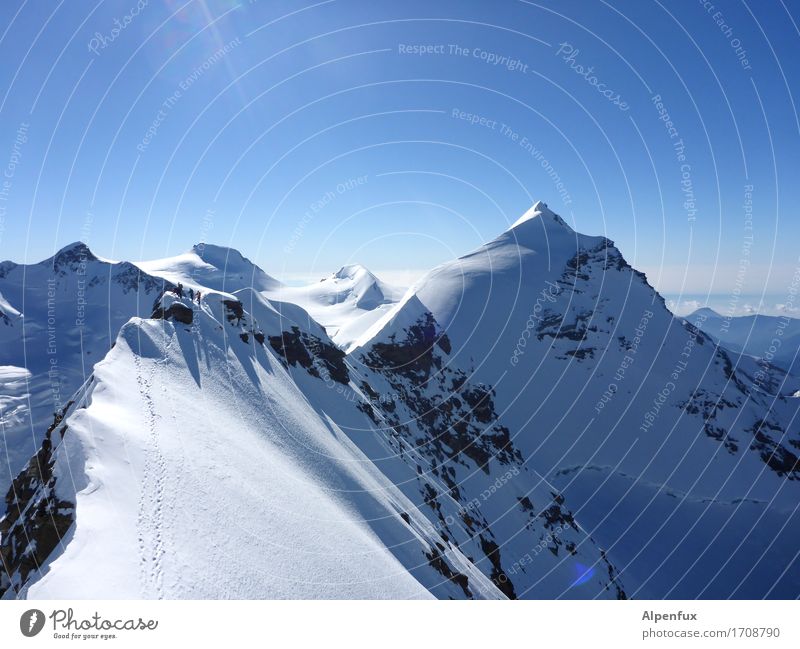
193,297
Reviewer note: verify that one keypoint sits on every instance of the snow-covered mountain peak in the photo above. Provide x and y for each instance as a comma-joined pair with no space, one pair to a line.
539,211
353,271
70,257
346,303
74,248
220,256
361,286
520,423
208,266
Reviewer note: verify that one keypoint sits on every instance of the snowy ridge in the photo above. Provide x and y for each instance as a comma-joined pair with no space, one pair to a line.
214,420
527,421
60,317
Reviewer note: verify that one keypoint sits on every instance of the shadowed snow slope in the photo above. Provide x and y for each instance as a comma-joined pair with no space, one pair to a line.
526,421
59,317
589,368
224,451
775,339
209,474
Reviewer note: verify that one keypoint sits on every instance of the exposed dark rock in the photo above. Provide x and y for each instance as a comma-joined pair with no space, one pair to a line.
581,353
708,406
234,311
176,311
300,348
525,503
414,356
498,577
438,563
613,577
458,417
776,457
132,278
6,267
35,519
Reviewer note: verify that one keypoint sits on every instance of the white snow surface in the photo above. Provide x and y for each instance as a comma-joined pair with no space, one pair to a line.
590,369
347,303
208,473
225,459
61,317
211,267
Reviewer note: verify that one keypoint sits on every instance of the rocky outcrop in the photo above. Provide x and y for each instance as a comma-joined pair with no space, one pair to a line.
319,358
175,311
36,519
446,426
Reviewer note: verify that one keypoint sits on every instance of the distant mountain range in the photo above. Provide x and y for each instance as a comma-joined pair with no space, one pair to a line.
775,339
527,421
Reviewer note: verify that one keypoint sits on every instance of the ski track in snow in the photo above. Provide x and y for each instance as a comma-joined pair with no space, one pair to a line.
150,523
199,533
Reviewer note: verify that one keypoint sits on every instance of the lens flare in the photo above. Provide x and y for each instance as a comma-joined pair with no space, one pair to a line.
584,574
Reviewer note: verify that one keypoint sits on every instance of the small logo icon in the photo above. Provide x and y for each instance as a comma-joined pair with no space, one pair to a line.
31,622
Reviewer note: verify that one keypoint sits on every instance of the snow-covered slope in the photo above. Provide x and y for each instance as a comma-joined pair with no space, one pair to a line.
207,474
212,267
774,339
57,319
527,421
589,371
346,303
226,452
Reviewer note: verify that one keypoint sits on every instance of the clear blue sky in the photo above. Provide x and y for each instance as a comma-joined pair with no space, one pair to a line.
230,122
